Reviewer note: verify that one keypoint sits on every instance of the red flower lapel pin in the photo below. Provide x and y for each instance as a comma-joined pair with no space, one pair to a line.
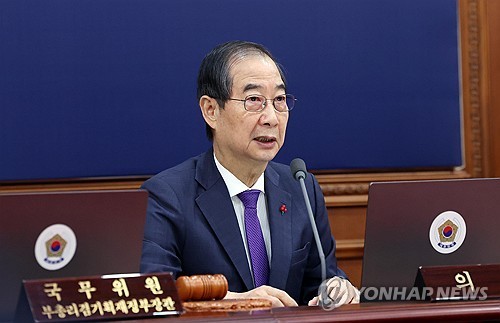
283,209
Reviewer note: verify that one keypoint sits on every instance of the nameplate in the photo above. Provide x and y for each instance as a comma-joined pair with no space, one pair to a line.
464,282
108,297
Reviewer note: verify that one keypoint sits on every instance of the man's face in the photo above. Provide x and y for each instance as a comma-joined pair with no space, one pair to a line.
244,138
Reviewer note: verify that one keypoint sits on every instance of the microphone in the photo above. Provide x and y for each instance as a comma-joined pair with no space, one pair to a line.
299,172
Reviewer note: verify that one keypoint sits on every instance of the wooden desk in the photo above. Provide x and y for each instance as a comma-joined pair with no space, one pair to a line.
464,311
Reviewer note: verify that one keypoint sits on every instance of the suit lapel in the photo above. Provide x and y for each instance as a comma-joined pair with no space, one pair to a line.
216,206
281,229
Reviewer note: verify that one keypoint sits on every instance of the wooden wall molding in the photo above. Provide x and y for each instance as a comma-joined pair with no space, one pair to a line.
352,189
350,248
471,27
72,185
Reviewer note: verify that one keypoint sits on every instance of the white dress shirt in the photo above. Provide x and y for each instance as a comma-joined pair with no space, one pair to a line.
235,186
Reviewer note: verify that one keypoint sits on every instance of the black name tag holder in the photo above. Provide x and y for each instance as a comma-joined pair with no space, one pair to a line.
99,298
463,282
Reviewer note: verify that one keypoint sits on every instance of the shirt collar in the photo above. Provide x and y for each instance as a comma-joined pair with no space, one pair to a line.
234,185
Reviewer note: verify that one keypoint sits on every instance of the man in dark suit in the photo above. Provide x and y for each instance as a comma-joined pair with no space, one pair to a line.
232,210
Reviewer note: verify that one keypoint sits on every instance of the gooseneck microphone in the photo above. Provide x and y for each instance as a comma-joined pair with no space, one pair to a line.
299,172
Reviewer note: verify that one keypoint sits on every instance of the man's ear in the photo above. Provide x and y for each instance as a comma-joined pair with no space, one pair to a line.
209,110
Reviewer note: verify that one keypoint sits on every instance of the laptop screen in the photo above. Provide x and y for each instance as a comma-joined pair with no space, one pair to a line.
67,234
429,223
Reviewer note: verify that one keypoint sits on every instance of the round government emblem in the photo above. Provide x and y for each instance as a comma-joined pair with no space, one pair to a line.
55,247
447,232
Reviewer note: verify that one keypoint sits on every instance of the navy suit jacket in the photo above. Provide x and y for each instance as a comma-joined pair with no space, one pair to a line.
191,228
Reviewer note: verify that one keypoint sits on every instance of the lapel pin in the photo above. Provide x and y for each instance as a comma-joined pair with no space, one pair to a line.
283,209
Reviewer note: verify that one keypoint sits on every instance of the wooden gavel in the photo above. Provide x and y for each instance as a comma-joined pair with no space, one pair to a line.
201,287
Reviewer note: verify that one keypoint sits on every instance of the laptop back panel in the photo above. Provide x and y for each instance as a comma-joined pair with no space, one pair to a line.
67,234
412,224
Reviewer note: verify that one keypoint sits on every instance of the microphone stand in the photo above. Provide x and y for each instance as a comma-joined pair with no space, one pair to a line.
313,226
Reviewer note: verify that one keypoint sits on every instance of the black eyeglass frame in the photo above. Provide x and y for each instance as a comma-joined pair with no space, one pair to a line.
264,103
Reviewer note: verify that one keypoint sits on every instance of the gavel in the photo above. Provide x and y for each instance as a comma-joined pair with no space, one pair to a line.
201,287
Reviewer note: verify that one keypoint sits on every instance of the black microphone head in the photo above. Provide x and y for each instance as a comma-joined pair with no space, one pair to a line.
298,168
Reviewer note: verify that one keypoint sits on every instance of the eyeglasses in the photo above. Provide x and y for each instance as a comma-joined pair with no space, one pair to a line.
257,103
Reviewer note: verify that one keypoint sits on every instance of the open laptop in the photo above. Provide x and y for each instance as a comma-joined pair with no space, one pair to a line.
67,234
429,223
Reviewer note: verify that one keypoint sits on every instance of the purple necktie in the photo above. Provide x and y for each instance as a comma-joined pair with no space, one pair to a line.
255,239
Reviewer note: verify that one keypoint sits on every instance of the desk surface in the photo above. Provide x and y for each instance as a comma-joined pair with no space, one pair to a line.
464,311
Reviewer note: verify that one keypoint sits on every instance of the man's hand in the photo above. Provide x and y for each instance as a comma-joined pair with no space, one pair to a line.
278,297
335,292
